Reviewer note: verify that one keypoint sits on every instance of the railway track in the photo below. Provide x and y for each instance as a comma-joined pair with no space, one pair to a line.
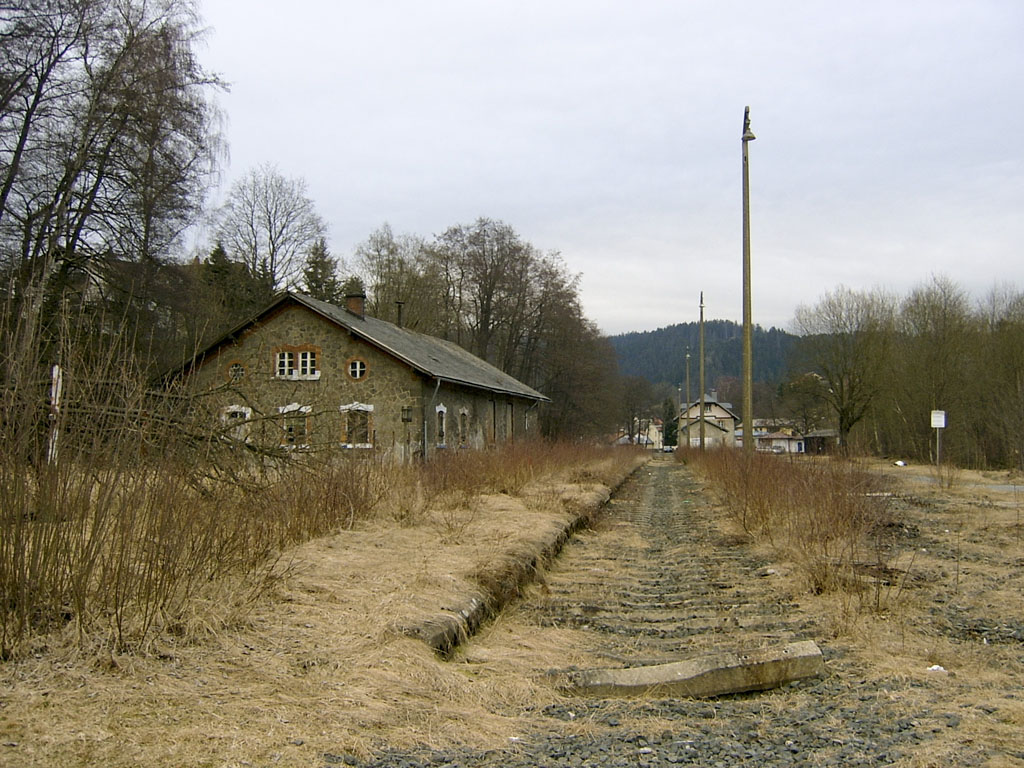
656,580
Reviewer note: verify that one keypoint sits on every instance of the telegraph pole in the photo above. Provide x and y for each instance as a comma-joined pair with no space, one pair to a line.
748,328
700,375
687,410
687,377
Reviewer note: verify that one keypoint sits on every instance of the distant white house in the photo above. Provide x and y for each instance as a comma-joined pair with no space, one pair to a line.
646,432
718,419
779,442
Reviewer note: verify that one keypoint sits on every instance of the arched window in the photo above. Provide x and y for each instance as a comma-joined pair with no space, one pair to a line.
357,425
442,414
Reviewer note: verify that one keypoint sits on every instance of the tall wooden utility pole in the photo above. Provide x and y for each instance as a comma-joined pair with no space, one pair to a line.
748,328
684,413
687,377
700,375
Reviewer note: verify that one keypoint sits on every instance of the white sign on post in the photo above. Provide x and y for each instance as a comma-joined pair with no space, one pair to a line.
938,424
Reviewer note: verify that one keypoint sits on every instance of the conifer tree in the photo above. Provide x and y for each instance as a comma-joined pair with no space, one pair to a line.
320,275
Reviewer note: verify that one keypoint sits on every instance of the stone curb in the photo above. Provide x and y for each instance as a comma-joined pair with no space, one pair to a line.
446,630
718,674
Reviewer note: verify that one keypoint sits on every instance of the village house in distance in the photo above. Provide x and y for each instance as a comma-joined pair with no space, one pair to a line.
719,423
306,374
723,429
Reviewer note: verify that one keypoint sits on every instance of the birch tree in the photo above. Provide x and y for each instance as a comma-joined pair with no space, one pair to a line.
108,142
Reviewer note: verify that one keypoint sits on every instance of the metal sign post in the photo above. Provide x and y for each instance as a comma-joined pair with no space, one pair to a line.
938,424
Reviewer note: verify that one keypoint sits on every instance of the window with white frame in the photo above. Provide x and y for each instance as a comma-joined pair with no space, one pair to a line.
307,363
296,426
236,421
297,363
356,425
442,414
356,369
285,364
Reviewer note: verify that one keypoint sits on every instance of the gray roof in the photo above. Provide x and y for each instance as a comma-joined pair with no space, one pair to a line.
437,358
708,400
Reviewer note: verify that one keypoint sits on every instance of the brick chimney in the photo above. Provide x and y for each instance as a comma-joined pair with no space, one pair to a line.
355,303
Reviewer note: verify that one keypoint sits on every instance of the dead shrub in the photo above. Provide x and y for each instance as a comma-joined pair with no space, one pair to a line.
453,514
947,475
823,516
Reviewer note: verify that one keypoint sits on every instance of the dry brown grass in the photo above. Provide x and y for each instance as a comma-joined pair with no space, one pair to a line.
965,561
319,663
959,558
827,518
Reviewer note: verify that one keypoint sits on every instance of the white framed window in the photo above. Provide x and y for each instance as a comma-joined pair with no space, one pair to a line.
297,363
307,363
296,426
285,364
236,420
356,425
357,369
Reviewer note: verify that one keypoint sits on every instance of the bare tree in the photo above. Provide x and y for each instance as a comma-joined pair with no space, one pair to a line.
486,289
396,270
995,418
846,339
107,142
269,223
933,344
801,399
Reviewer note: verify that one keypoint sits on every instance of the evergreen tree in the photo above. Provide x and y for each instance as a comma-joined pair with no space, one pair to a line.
320,275
234,290
669,423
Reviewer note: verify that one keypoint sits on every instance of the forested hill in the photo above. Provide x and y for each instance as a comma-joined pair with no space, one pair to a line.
660,356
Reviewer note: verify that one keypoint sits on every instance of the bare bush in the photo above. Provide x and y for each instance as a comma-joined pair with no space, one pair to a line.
123,503
824,516
947,475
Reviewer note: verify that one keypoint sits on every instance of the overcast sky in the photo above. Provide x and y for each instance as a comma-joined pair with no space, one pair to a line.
886,151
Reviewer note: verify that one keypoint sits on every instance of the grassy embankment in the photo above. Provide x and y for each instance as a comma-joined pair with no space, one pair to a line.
296,647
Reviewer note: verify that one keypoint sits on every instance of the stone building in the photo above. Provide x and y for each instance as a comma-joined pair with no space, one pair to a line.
304,373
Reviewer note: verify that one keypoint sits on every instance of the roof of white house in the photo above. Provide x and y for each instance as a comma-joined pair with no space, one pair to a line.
708,400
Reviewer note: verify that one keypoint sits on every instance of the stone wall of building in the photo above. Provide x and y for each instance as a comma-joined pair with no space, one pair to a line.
358,398
476,419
